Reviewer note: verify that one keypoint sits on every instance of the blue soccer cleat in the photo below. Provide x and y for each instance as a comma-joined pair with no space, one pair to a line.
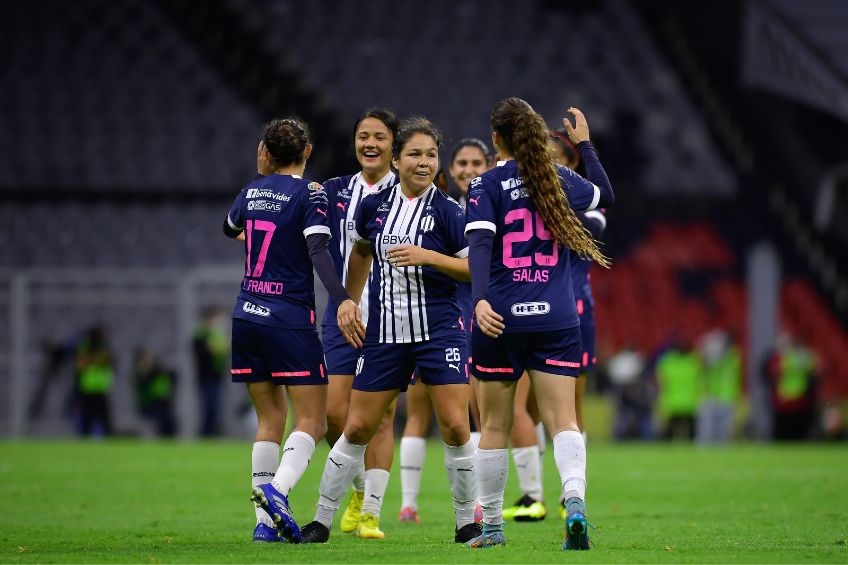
276,505
266,533
576,532
487,540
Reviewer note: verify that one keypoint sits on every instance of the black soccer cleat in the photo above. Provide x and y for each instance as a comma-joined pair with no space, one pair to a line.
314,532
468,532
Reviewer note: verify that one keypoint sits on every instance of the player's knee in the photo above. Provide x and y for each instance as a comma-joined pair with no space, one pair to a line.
358,431
456,432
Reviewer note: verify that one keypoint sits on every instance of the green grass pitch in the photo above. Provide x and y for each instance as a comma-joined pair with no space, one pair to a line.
119,502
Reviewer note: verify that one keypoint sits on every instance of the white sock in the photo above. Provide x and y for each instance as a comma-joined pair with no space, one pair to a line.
527,466
412,453
585,437
297,452
492,471
570,456
376,481
475,439
359,477
342,462
263,462
459,462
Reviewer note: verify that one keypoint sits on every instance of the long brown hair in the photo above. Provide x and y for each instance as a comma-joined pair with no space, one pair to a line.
525,136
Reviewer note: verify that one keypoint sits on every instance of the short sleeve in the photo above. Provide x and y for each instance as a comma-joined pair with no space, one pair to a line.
454,222
364,213
235,219
315,213
480,211
582,194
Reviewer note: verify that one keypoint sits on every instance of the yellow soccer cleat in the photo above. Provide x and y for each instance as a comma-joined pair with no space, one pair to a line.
369,527
350,518
527,509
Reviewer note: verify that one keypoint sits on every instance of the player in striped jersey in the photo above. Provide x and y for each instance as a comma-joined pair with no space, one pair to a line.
519,215
282,218
469,159
413,233
373,134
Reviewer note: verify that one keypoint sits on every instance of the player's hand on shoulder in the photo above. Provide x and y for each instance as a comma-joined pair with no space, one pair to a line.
580,130
410,256
350,323
489,321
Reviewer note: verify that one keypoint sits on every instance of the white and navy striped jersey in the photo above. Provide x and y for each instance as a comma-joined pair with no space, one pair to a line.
345,194
411,304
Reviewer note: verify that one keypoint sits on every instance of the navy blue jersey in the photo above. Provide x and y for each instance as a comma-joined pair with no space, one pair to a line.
595,222
344,195
530,274
411,304
277,212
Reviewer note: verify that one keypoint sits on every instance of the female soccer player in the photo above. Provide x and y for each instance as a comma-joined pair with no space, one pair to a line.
527,436
373,134
519,215
413,234
282,219
469,159
564,153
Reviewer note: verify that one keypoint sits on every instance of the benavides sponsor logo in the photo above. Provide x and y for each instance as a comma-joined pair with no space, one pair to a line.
530,308
255,309
265,193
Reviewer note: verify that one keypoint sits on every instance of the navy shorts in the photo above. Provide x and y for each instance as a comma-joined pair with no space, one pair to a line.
284,356
339,355
508,356
389,366
587,342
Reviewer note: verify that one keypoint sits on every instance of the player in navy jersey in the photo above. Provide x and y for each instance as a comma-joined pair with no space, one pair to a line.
373,134
469,159
520,216
527,438
282,219
413,234
564,153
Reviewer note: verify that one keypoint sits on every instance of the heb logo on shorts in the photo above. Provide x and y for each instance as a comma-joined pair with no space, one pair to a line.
251,308
530,308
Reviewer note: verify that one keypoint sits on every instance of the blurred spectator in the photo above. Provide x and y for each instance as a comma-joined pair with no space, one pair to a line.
633,395
790,372
154,388
723,384
211,347
679,379
94,376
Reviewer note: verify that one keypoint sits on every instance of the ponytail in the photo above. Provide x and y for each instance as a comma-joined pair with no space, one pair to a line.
526,137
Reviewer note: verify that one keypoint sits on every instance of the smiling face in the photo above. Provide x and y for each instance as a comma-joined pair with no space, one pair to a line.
417,164
373,146
468,163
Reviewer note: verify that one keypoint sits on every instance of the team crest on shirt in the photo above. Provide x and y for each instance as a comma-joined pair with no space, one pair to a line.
427,224
315,186
476,182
